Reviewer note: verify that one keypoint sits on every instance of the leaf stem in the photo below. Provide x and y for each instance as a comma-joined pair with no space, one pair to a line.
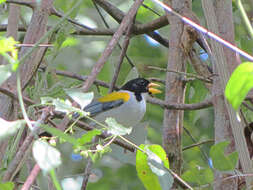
55,180
245,18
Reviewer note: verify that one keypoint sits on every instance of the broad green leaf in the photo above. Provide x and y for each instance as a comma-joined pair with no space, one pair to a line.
116,128
59,133
198,175
63,106
8,45
46,100
5,72
72,183
221,161
46,156
60,105
2,1
239,84
70,41
150,169
83,99
88,136
7,185
8,128
9,51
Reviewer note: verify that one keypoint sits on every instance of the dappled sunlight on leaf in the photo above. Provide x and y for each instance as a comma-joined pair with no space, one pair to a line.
46,156
5,72
239,84
151,168
8,128
83,99
116,128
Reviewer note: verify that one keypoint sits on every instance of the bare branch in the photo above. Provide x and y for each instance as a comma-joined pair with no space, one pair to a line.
29,3
121,56
198,144
118,15
107,26
108,50
25,146
53,11
208,80
31,178
177,106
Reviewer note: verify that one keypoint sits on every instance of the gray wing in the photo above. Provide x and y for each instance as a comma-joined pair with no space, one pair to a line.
96,107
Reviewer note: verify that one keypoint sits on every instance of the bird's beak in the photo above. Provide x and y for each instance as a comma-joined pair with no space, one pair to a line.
153,90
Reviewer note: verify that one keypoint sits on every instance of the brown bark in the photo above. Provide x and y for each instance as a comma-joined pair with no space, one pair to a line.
12,30
173,119
227,127
35,30
222,127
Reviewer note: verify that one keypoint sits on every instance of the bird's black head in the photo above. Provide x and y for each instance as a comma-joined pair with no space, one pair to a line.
138,85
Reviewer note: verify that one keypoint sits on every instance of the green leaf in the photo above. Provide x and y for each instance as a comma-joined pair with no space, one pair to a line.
88,136
9,51
83,99
7,185
46,100
151,168
2,1
8,128
5,72
46,156
70,41
55,180
221,161
116,128
59,133
239,84
198,175
63,106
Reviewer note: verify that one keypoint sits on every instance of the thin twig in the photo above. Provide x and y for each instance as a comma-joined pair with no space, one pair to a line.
88,167
27,142
247,106
118,15
198,144
156,80
87,127
58,14
107,26
31,178
138,30
180,180
87,173
108,50
30,3
32,45
182,73
195,141
121,56
176,106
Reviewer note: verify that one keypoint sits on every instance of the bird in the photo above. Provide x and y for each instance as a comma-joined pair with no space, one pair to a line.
127,105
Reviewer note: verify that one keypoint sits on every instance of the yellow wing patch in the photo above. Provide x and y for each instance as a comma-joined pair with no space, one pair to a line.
115,96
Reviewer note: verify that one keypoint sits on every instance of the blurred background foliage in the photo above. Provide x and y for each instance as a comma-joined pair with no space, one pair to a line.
80,58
